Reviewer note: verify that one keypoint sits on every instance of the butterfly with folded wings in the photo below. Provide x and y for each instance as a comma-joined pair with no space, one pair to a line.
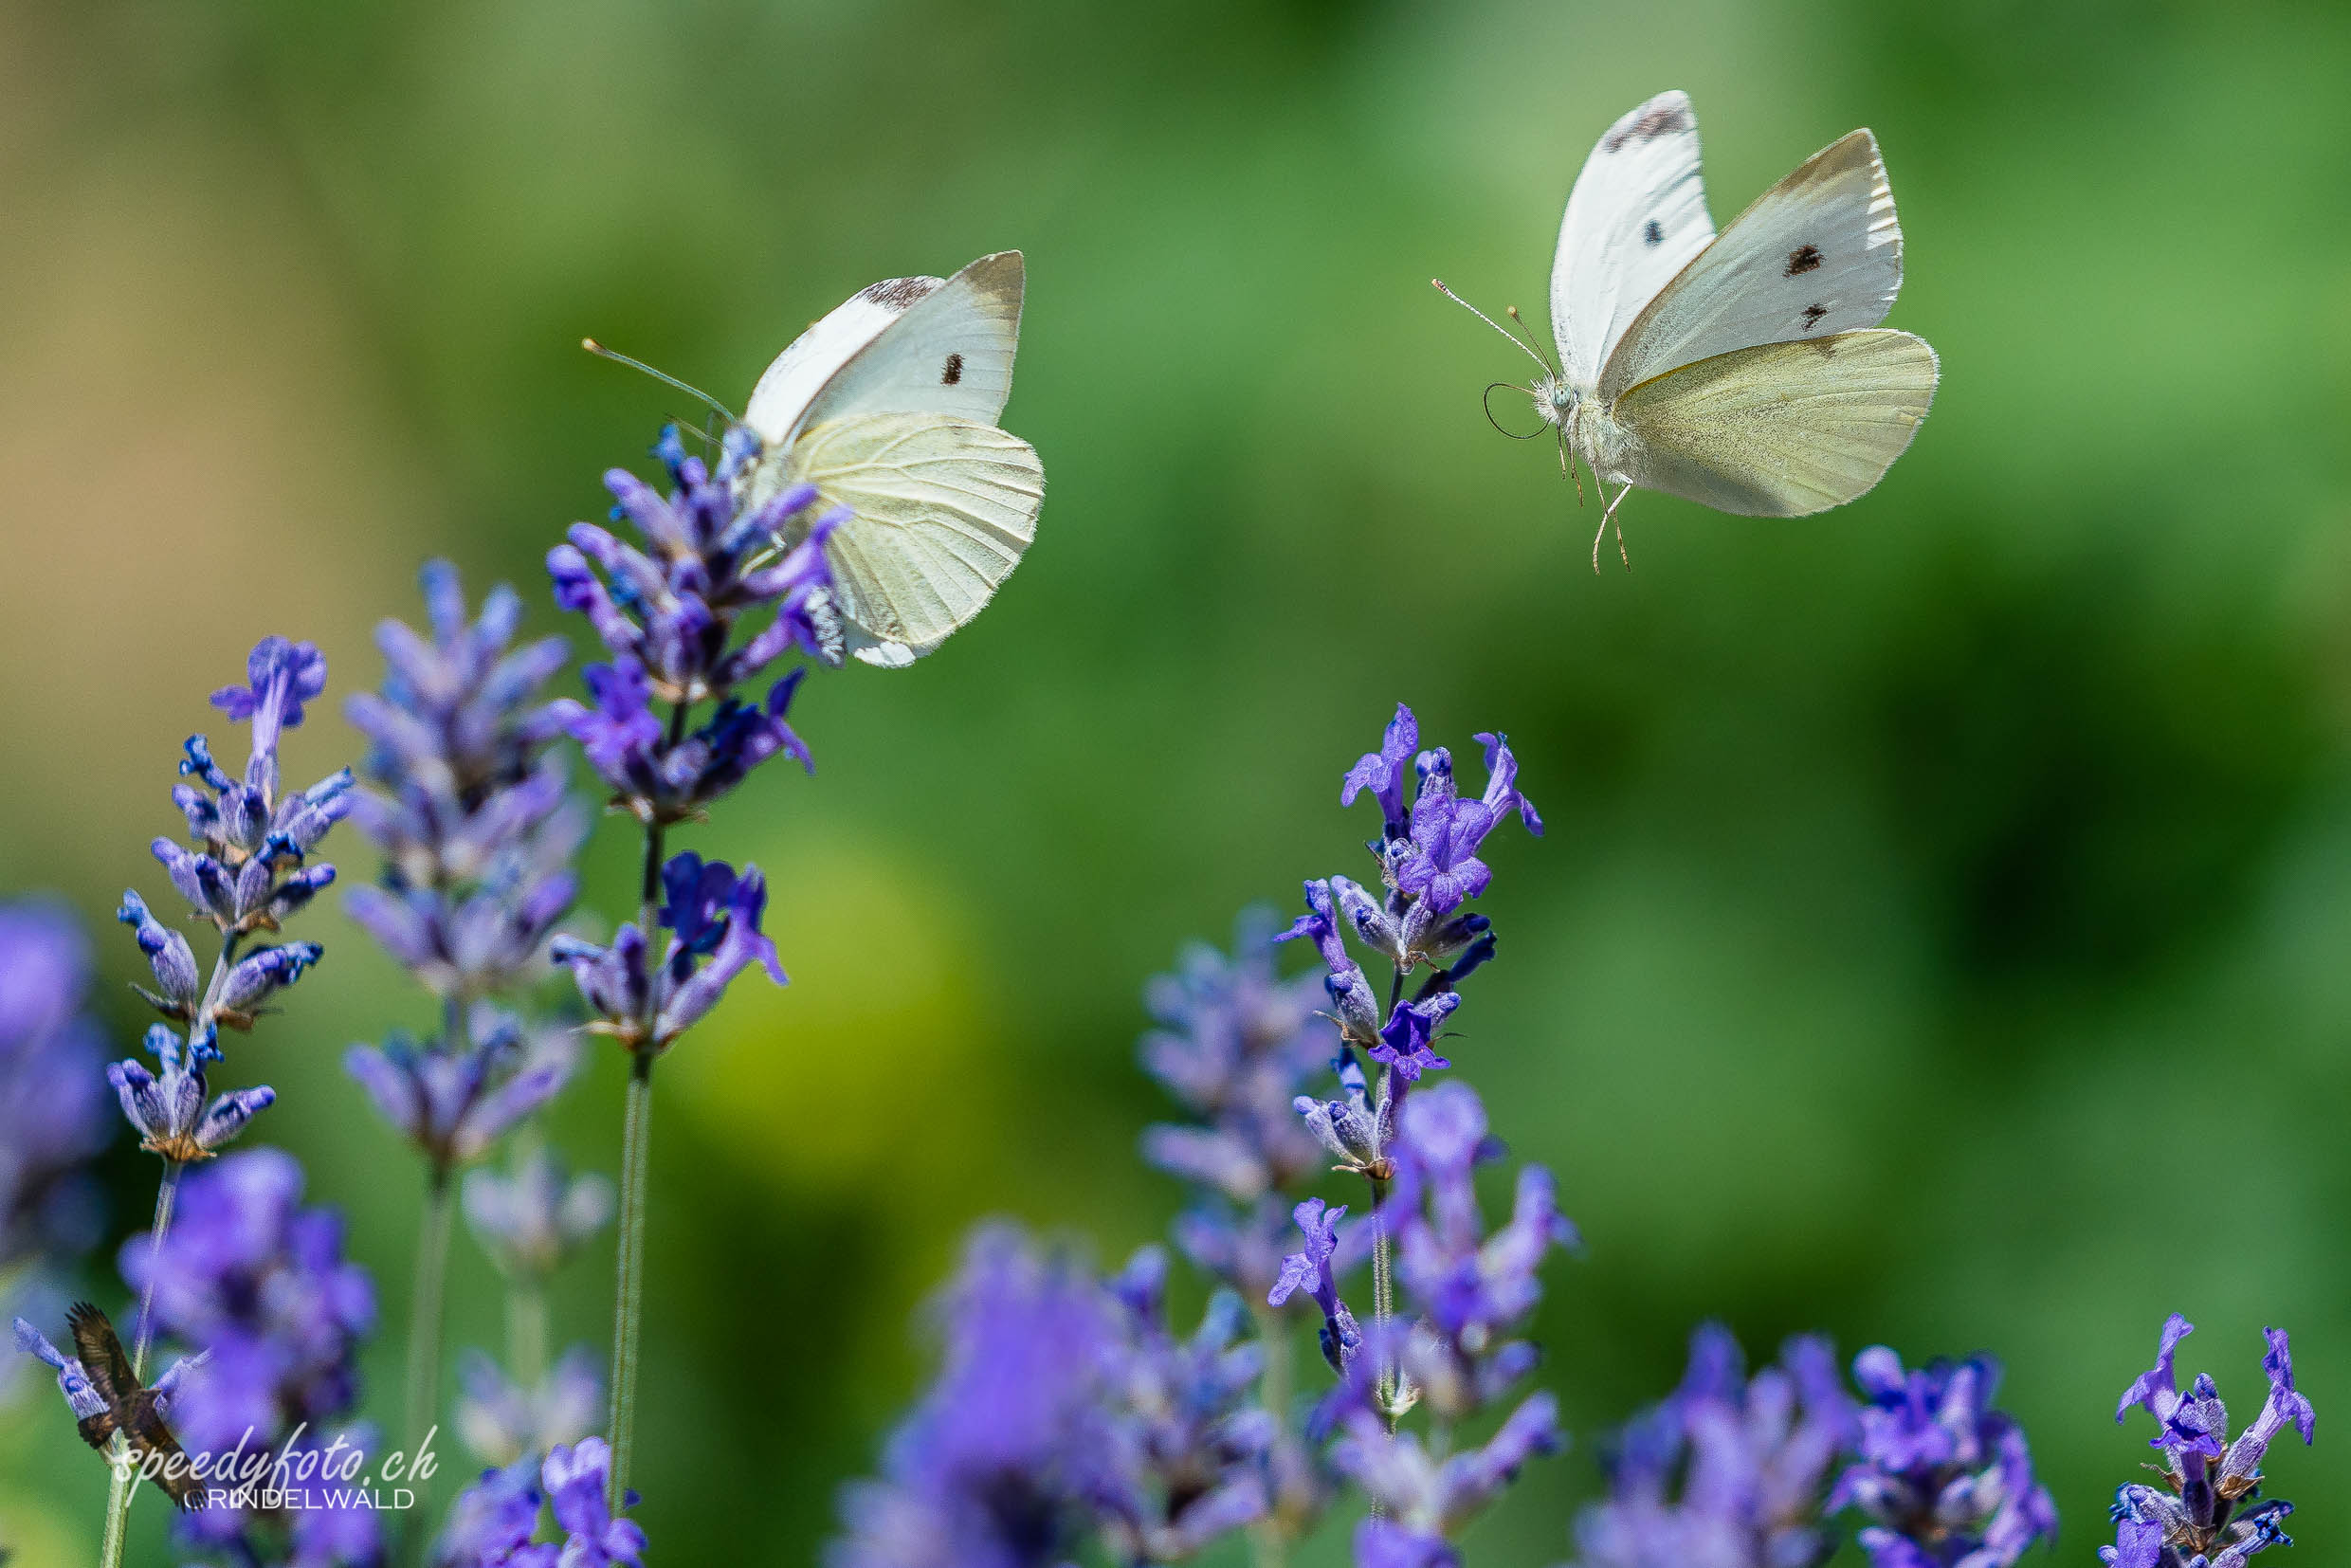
122,1404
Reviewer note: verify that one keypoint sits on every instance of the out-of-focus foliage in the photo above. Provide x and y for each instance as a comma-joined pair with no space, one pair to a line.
1941,934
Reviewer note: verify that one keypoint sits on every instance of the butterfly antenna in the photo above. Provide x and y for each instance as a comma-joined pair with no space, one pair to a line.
1513,313
664,378
1491,322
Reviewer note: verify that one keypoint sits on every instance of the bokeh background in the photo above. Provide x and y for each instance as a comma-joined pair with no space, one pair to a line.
1943,935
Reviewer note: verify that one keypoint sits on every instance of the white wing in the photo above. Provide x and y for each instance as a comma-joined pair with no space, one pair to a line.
905,345
1635,218
1820,252
944,508
1783,430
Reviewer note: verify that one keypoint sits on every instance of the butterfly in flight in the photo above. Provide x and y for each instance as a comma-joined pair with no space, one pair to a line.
116,1401
1744,371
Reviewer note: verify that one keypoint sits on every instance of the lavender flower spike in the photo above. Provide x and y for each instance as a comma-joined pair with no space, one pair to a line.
668,612
470,808
454,1104
1941,1470
2206,1510
574,1478
53,1114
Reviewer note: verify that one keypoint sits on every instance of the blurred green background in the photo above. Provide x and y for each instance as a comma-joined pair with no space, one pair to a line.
1943,935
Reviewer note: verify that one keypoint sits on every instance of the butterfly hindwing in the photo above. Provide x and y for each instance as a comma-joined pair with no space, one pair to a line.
1635,217
1818,253
943,511
1781,429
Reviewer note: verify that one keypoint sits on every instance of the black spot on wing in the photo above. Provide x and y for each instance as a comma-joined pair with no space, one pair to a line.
1654,234
1663,121
952,371
1802,259
1813,315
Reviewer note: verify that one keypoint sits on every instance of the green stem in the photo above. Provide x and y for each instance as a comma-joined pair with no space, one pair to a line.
426,1311
1390,1382
125,1480
628,1310
1270,1538
526,1331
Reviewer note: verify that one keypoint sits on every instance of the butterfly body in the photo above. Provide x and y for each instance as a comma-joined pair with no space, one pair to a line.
1744,369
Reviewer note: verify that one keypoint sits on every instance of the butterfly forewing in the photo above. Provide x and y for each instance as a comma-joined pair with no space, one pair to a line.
1818,253
907,345
943,511
1636,216
1783,429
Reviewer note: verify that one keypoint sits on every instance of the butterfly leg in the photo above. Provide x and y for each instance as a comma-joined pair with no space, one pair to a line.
1608,517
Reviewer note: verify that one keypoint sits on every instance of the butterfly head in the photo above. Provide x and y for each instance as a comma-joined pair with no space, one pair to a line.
1555,400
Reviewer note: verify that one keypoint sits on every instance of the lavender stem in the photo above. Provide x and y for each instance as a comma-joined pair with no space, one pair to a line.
636,1128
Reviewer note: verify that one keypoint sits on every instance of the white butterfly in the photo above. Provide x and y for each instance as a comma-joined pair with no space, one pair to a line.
888,406
1738,371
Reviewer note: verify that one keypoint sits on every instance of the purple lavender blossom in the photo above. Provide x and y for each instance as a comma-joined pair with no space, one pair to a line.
1727,1473
1310,1270
2209,1508
1473,1289
1427,1499
668,612
492,1521
1191,1448
453,1105
1944,1478
531,1220
248,870
52,1110
1428,865
500,1420
169,1109
576,1480
713,915
470,810
1006,1460
260,1284
1233,1044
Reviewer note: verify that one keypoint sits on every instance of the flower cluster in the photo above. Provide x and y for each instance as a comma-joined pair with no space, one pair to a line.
1728,1471
1944,1478
469,808
454,1101
260,1286
1429,869
1193,1449
53,1105
502,1420
1448,1341
530,1219
713,916
2210,1508
668,612
1474,1289
1005,1462
1234,1042
247,871
493,1522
